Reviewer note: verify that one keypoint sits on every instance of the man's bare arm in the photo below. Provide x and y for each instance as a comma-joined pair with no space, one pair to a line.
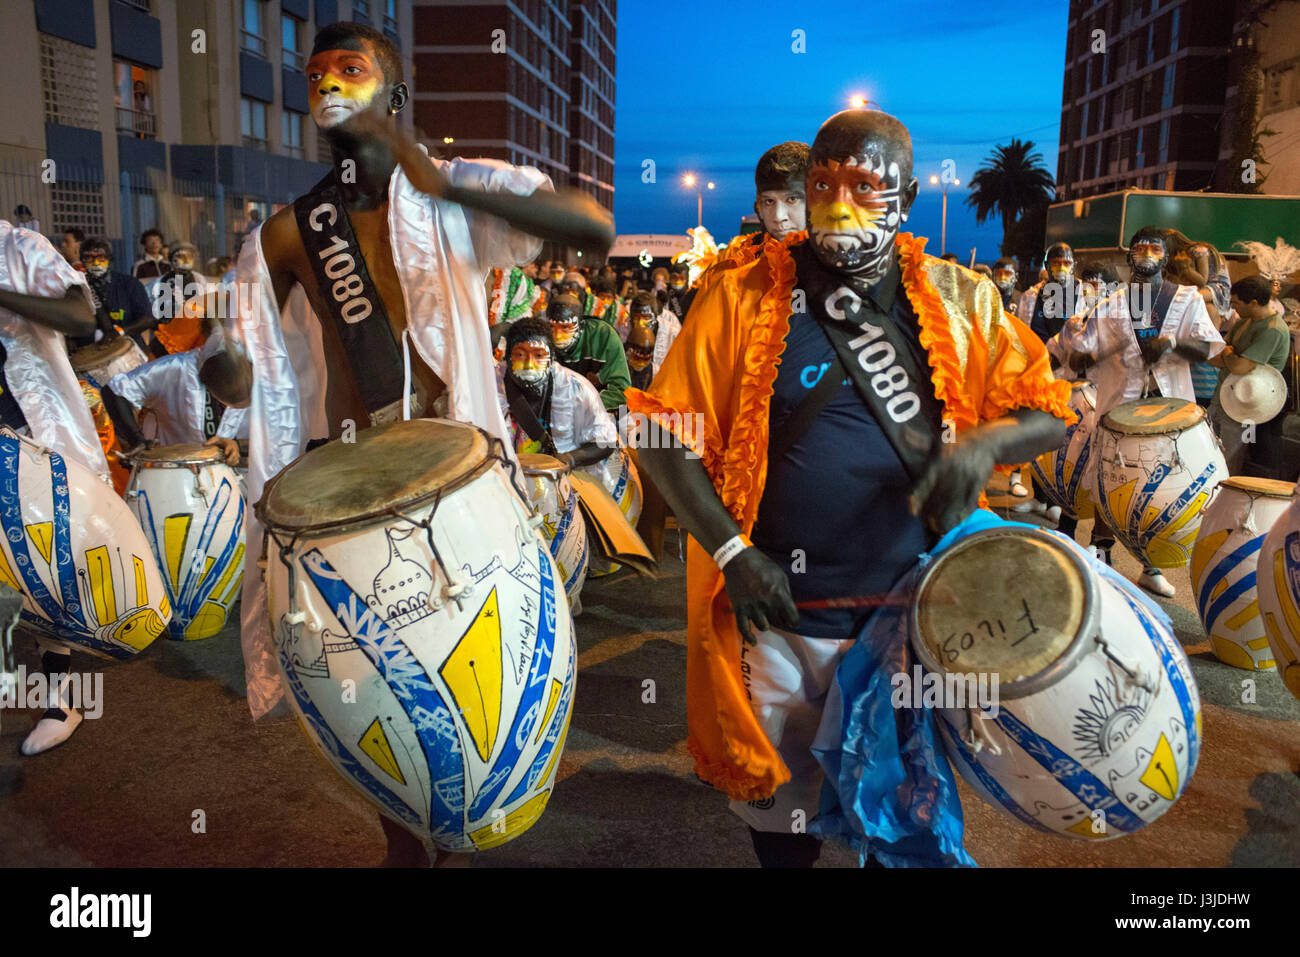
69,314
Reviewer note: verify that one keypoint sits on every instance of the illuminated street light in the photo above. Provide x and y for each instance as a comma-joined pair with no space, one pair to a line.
690,180
448,140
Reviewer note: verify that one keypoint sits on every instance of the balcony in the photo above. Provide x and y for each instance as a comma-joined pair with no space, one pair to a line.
140,123
253,143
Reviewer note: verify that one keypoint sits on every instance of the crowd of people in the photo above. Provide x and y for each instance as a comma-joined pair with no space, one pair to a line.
827,355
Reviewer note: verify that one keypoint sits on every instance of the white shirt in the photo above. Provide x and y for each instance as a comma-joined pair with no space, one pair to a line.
669,328
1105,331
578,415
169,388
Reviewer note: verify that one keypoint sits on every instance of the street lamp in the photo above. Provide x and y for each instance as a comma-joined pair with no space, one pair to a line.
943,236
448,140
690,180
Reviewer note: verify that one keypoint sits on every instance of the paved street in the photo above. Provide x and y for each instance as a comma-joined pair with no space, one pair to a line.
176,738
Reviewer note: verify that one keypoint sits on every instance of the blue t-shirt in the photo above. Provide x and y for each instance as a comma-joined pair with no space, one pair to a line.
840,494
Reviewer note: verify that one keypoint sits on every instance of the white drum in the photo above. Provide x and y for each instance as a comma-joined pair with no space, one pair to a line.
1278,578
1158,464
1063,475
102,360
1097,724
422,629
1223,567
563,527
191,507
75,551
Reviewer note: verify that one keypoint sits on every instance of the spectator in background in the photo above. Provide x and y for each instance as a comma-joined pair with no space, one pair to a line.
951,258
554,278
24,219
119,299
154,263
1004,277
983,270
70,246
1259,337
1200,265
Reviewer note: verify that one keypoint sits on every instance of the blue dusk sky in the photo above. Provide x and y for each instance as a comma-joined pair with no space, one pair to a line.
706,87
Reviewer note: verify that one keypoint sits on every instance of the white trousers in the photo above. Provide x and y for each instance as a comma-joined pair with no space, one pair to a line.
788,677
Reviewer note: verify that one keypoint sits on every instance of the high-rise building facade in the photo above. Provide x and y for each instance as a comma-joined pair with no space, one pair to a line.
526,81
1143,96
185,115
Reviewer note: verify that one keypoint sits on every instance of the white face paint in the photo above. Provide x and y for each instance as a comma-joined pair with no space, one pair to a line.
855,209
782,211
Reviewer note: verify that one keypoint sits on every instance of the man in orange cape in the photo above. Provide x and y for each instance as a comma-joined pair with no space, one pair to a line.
826,389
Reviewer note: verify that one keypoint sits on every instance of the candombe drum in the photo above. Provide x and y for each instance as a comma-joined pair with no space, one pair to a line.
102,360
619,476
78,555
1095,706
422,629
191,507
1223,567
1061,475
1278,579
556,504
1158,464
107,434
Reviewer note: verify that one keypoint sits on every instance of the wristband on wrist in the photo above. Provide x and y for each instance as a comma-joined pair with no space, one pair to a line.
730,549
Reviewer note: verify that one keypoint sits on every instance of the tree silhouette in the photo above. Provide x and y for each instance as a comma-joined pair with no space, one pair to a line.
1012,180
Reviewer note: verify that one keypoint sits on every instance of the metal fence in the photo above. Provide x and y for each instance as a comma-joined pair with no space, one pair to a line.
63,196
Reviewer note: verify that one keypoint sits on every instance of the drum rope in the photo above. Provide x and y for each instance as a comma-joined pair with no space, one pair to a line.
1133,671
457,590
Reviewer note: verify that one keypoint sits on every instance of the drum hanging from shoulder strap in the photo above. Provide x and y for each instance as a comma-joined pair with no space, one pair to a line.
102,360
1095,724
405,566
563,527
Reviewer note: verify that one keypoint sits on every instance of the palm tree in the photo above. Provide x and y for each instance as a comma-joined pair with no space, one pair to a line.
1012,180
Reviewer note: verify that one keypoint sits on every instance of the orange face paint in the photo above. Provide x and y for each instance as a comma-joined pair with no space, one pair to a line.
341,83
845,198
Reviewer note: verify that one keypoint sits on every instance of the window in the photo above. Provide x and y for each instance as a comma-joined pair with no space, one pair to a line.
291,133
252,123
68,83
133,89
1164,142
77,204
1276,89
1140,159
1167,96
390,17
360,8
254,39
291,55
1173,30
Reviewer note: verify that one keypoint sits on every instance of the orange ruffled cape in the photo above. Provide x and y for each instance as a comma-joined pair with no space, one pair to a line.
983,363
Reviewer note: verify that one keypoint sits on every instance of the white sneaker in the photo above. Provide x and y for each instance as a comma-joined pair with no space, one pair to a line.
51,732
1018,490
1156,584
1054,513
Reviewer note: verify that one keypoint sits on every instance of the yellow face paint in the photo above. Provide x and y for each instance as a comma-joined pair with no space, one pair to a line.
340,83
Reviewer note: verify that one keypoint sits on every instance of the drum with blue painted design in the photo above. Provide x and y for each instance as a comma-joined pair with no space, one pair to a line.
78,555
556,506
191,507
1158,464
1277,575
1063,475
1065,700
619,476
422,629
1223,567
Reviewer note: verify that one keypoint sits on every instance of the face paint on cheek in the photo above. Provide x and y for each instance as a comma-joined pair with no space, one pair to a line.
340,84
854,211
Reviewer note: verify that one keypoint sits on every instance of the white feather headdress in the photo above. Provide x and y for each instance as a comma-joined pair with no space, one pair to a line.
1274,262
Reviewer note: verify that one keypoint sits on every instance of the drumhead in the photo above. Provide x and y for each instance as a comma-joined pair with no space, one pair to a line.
1010,602
162,456
1272,488
1153,416
536,463
99,353
397,466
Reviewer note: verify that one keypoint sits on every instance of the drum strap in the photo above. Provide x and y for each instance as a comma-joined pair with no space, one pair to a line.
521,410
875,355
354,305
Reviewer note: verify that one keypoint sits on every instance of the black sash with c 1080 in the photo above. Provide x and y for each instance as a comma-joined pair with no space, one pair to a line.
882,365
354,305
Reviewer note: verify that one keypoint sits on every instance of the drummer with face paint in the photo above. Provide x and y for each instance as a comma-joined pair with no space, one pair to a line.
589,347
1141,340
816,466
381,264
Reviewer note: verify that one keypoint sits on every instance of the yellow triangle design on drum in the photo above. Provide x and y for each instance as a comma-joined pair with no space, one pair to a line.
102,592
518,820
1119,499
42,533
237,561
1205,550
1243,616
1161,774
1083,828
7,574
375,744
176,529
1231,653
473,674
556,687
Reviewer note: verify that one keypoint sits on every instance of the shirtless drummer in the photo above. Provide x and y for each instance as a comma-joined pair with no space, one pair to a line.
416,234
